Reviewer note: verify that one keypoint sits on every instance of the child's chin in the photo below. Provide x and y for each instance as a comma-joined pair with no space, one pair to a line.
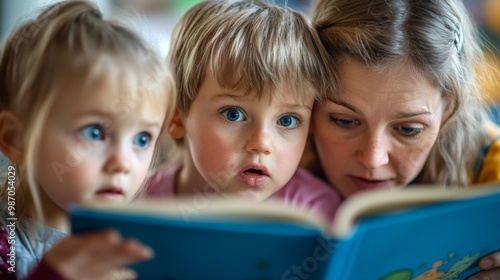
249,195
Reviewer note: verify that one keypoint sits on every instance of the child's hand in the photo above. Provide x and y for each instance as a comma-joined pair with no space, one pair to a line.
98,255
490,266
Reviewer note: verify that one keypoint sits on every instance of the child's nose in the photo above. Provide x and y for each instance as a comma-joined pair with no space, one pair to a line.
118,161
260,141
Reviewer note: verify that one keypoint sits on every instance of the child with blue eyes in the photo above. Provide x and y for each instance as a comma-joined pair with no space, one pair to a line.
82,105
247,75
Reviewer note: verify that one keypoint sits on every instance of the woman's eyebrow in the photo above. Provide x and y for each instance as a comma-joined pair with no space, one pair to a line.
347,105
411,114
400,115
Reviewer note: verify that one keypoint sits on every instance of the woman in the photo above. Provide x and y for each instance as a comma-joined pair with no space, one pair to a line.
408,107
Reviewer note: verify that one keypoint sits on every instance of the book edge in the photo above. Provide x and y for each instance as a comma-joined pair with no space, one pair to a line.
372,202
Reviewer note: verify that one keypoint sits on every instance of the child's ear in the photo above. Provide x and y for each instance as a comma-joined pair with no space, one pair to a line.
11,143
176,128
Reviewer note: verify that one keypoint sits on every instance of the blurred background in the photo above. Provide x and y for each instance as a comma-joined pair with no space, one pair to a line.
156,18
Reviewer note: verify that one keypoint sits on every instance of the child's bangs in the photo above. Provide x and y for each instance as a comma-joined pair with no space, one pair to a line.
264,82
240,64
264,49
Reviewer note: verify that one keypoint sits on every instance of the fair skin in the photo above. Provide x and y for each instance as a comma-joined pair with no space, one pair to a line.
90,150
491,265
96,256
106,154
381,130
240,144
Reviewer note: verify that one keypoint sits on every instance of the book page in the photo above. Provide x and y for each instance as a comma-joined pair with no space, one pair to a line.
372,202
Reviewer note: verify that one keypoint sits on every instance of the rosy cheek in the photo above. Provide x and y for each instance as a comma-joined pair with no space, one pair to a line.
141,172
214,161
81,174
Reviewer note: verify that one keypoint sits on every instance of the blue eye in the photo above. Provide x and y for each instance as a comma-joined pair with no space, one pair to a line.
409,131
346,123
92,132
288,121
233,115
142,140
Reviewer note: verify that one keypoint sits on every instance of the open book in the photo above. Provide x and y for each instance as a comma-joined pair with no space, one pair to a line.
412,233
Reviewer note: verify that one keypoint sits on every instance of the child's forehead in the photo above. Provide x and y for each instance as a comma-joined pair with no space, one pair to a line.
120,89
123,78
284,96
115,88
282,91
294,93
110,96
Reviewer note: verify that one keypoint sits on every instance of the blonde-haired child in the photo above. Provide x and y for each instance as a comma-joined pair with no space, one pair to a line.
82,104
247,75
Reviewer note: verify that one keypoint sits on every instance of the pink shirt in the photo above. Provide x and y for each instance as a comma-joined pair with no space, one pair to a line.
303,190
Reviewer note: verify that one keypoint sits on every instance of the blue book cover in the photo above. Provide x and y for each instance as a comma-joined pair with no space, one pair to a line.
415,233
431,240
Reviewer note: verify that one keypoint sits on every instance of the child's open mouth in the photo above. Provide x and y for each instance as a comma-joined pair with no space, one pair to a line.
255,171
254,176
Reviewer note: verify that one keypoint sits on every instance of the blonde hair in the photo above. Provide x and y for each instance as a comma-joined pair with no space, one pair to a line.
252,46
70,40
438,40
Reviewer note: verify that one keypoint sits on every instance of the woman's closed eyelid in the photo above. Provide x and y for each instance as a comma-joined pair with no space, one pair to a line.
343,121
410,130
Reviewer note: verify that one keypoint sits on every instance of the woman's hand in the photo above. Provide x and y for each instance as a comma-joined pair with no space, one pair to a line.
97,255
